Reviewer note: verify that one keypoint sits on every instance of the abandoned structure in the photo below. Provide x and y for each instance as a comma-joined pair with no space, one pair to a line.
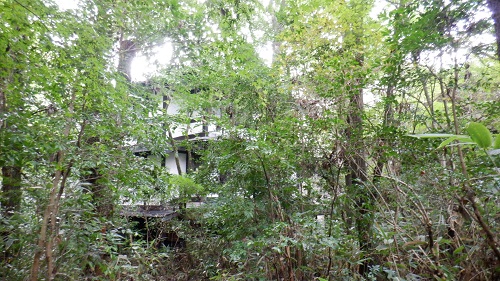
178,160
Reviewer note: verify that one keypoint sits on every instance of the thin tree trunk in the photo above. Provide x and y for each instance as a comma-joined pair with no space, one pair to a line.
494,6
11,195
388,121
176,151
189,154
42,237
466,188
276,26
11,198
50,213
11,190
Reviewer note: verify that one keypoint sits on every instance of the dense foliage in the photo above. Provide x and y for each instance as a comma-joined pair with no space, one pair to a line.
351,144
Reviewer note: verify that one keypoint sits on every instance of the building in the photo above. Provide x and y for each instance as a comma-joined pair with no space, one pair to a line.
184,141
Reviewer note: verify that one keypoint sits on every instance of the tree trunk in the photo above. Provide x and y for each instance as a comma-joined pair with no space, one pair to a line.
176,152
276,26
494,6
11,198
101,194
127,54
46,237
468,190
356,178
11,190
11,195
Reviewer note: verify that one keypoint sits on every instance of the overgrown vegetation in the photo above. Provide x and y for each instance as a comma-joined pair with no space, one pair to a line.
361,147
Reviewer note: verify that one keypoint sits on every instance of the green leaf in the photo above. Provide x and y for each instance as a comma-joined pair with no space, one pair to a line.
428,136
277,249
480,134
460,138
459,250
497,142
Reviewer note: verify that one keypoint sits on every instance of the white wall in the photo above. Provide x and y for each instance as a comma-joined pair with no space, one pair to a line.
194,128
170,163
